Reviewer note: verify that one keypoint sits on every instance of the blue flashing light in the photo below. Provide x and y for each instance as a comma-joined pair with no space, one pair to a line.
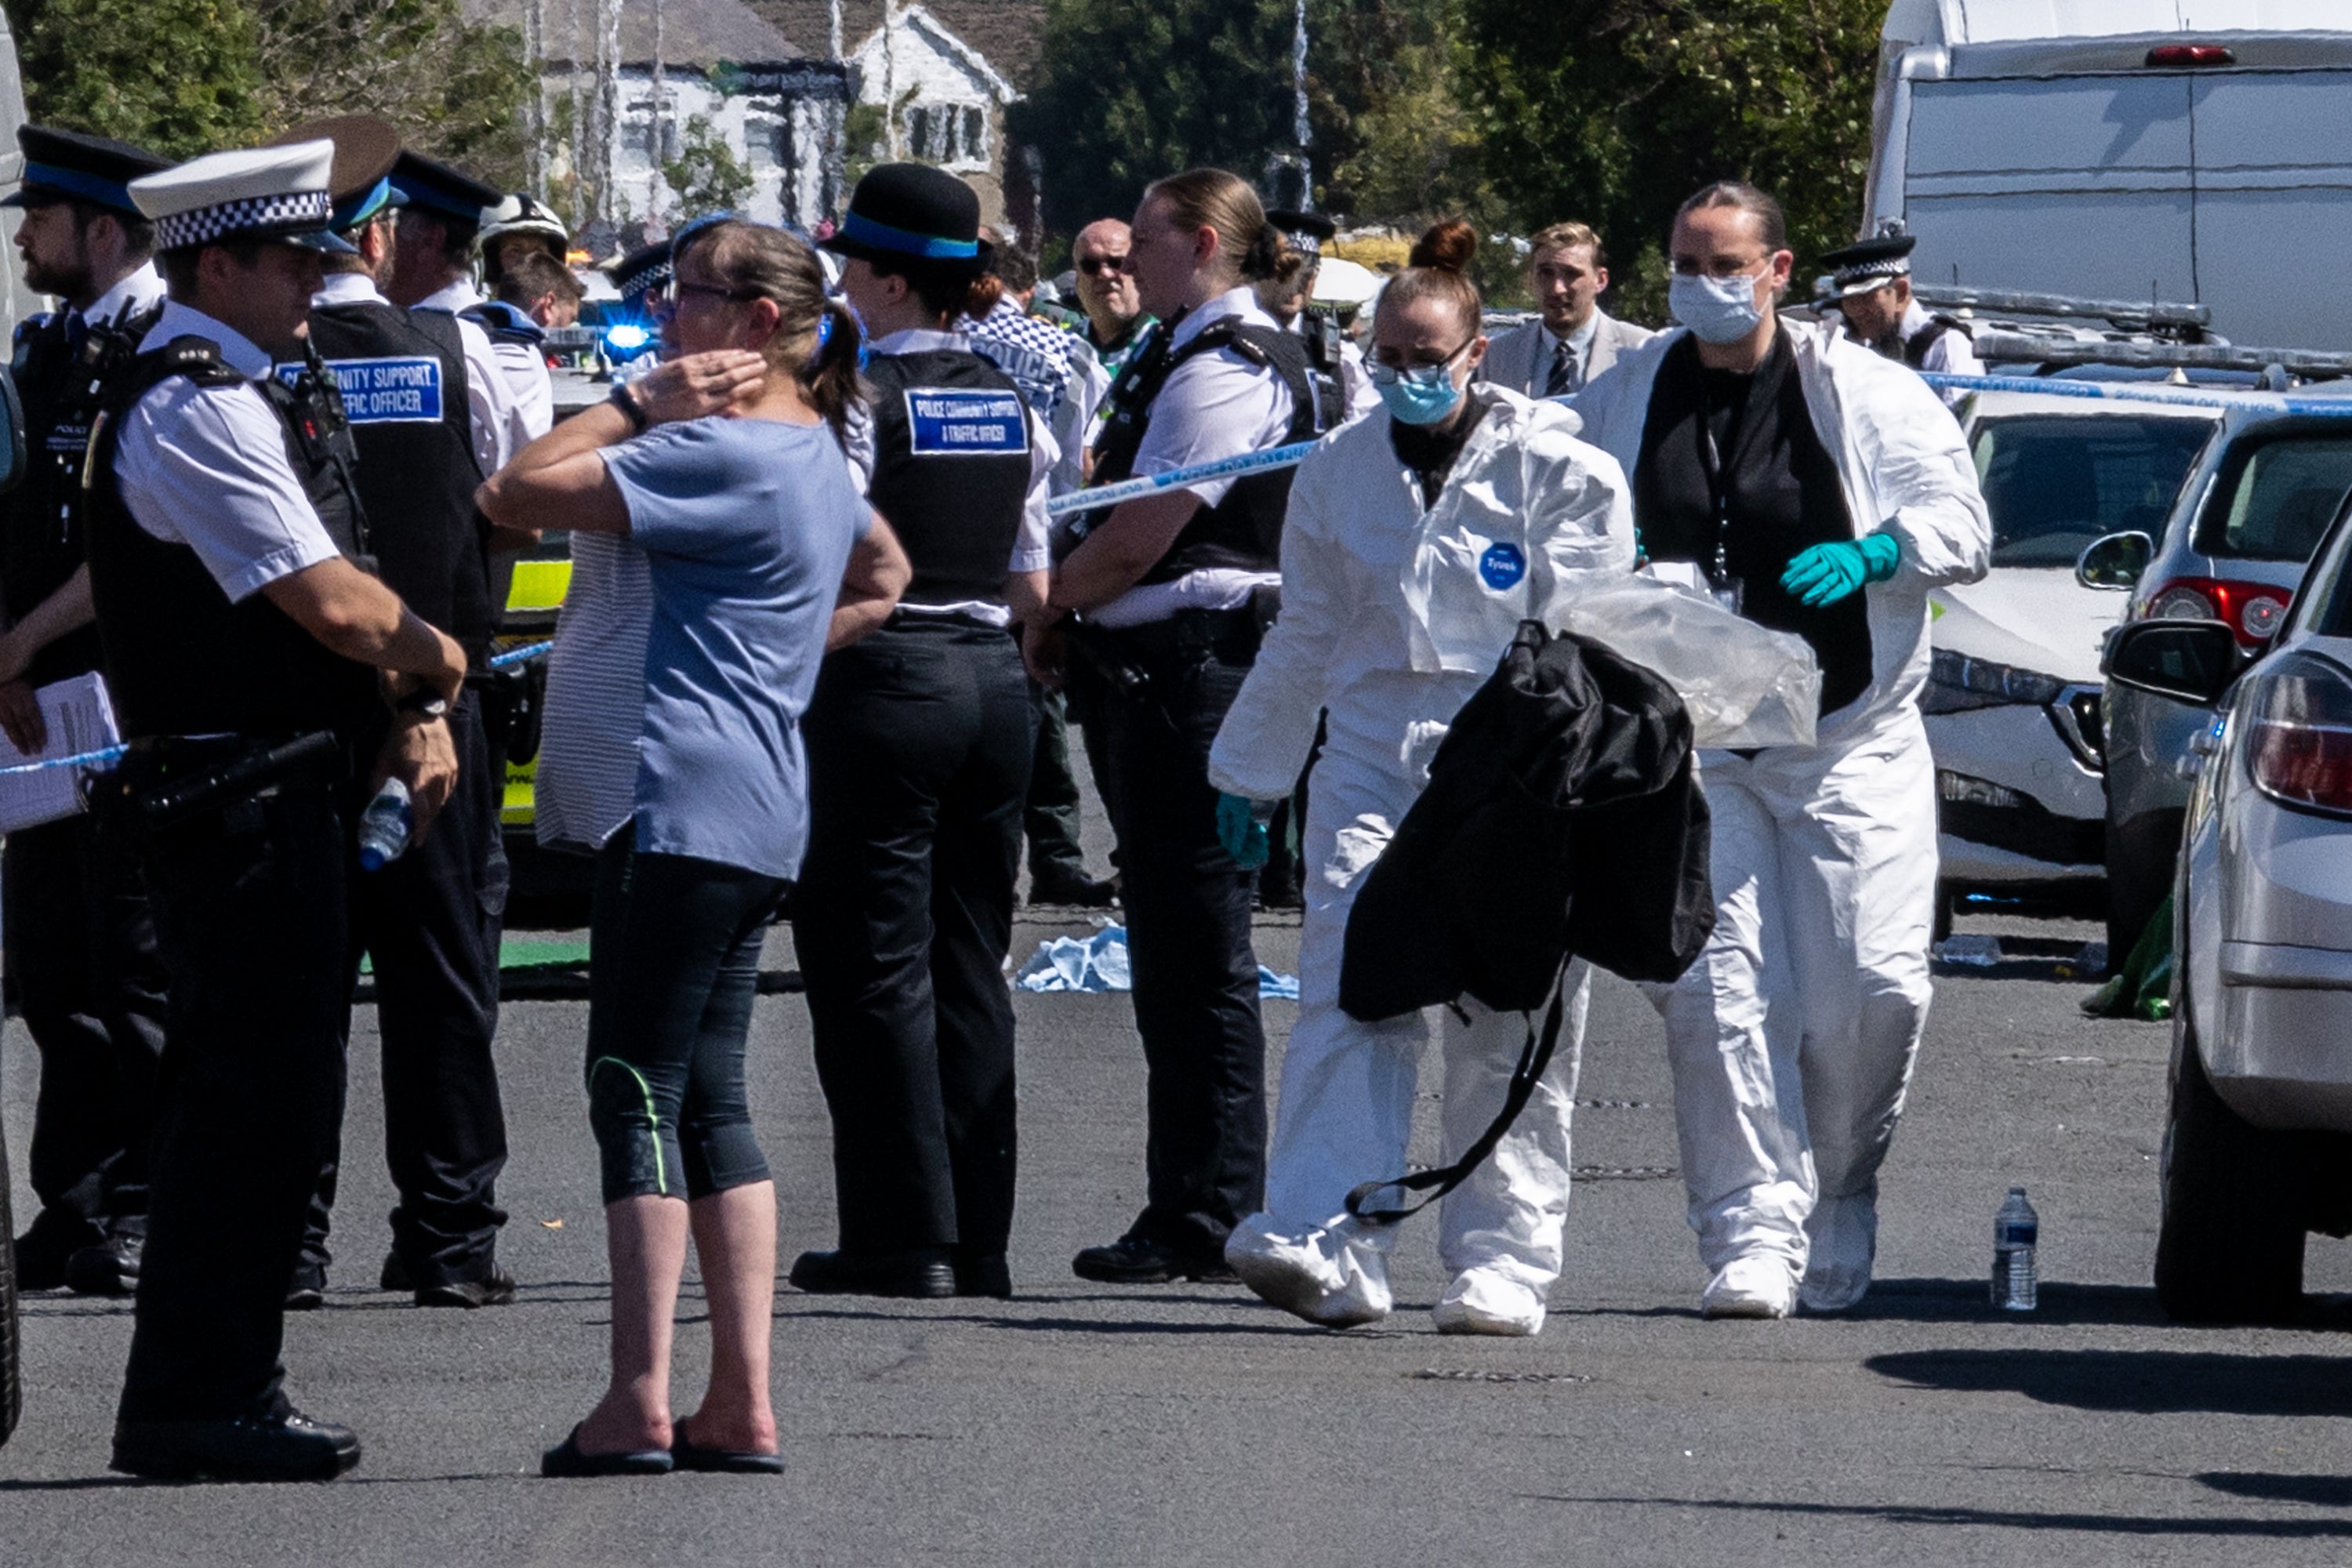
627,336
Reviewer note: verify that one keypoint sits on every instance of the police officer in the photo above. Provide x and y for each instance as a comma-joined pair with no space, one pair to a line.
1870,284
919,747
636,277
1343,387
1175,589
520,225
430,920
80,940
251,657
440,216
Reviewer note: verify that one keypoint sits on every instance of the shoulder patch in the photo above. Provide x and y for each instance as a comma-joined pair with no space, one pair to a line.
402,389
965,422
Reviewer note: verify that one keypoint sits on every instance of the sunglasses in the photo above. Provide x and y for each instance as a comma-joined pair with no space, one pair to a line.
1095,265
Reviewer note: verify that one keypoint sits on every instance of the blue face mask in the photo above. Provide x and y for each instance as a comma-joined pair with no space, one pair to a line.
1421,394
1715,310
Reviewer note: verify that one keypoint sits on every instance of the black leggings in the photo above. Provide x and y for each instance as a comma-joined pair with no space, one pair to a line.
674,963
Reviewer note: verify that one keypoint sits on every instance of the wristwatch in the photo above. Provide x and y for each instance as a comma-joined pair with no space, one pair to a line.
424,700
625,401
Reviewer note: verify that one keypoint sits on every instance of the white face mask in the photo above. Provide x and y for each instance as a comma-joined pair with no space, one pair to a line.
1717,309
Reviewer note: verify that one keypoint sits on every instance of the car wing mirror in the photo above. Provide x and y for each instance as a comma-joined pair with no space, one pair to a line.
2190,662
2115,560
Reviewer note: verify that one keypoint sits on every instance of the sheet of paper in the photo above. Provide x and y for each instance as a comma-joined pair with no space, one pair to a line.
80,719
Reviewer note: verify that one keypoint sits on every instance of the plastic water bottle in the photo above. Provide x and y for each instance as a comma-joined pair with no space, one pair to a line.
2015,1287
384,827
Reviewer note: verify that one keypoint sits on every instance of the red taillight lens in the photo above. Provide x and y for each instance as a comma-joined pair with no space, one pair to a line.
2299,734
2176,57
2252,610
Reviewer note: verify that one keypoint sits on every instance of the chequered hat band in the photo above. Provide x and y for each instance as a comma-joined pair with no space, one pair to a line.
249,217
1891,267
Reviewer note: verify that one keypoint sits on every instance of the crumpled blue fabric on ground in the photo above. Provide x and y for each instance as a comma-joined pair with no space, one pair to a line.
1098,963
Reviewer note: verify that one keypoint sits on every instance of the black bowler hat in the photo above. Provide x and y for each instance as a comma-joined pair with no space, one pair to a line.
366,148
646,267
1313,229
913,211
68,166
1873,263
437,188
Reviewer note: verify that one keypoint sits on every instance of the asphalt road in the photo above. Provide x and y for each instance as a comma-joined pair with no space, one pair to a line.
1079,1423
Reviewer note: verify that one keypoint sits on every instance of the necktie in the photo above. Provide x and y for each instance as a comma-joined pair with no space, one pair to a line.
1564,377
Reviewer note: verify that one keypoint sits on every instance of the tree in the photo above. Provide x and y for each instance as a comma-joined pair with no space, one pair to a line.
706,173
1614,110
179,76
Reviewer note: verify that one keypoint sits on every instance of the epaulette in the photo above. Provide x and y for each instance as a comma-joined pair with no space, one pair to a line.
501,319
31,324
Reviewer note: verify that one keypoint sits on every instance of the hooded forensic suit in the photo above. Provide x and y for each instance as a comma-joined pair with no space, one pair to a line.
1792,1036
1393,613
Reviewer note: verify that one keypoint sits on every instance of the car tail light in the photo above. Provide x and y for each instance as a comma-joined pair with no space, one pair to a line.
2252,610
2299,734
2178,56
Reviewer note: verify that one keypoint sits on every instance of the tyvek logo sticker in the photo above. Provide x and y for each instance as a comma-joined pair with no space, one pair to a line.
1502,566
962,422
403,390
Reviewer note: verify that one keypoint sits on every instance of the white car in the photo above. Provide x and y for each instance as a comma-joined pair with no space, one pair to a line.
2260,1129
2013,695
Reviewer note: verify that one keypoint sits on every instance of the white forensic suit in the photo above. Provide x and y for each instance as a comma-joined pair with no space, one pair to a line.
1392,616
1792,1038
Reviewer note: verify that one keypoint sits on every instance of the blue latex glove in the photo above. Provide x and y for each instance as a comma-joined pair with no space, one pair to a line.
1240,831
1828,573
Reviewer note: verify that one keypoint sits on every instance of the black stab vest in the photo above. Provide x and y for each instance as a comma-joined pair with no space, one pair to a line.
403,380
1244,529
41,544
951,470
180,658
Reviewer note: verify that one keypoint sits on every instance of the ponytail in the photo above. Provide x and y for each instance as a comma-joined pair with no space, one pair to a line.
830,377
1264,258
1437,271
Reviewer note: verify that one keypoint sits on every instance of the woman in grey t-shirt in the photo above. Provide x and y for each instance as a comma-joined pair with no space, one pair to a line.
724,468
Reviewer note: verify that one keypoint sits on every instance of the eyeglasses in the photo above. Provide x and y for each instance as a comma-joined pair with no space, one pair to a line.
1095,265
664,298
1428,375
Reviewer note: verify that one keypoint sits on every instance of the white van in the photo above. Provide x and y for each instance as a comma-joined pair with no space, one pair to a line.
16,301
2189,151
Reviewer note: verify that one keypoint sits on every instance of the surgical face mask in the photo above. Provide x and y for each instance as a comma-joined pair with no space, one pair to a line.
1420,394
1715,310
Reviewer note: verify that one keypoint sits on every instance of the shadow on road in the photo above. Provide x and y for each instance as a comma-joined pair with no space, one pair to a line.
2143,1382
2320,1491
2003,1518
1970,1300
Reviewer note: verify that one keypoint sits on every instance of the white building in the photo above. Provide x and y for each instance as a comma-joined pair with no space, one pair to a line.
627,85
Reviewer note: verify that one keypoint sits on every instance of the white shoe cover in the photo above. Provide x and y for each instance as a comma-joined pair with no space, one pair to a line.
1757,1286
1319,1276
1481,1301
1844,1243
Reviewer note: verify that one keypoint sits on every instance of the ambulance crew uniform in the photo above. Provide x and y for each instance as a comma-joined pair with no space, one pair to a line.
80,937
212,478
1792,1038
429,920
919,746
1157,667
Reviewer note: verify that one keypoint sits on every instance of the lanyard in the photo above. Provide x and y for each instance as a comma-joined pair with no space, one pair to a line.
1728,590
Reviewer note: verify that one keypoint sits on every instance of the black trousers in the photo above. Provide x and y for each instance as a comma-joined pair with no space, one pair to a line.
1050,820
1188,921
918,747
430,921
81,954
251,919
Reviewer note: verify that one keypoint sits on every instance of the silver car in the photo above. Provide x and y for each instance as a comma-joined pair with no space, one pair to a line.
2231,550
2260,1129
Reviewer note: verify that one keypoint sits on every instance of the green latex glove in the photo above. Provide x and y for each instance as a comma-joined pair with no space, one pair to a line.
1241,832
1828,573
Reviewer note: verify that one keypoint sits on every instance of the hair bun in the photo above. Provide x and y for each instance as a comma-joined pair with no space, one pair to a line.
1448,247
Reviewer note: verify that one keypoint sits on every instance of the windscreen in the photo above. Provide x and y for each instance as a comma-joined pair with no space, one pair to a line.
2275,497
2055,482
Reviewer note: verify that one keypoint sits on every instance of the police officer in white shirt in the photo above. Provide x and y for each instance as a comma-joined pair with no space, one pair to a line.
1574,340
1175,589
250,652
433,254
1870,284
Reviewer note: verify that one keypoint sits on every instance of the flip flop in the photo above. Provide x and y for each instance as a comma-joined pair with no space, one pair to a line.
565,1461
692,1455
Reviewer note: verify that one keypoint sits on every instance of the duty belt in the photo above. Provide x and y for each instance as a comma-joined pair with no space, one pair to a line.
169,781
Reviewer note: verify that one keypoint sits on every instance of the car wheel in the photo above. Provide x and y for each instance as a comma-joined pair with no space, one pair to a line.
2229,1247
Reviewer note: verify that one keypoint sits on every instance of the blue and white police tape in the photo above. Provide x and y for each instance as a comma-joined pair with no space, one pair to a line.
1175,479
519,655
98,761
2143,392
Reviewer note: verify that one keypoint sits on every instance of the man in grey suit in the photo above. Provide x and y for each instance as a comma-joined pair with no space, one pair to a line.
1574,341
